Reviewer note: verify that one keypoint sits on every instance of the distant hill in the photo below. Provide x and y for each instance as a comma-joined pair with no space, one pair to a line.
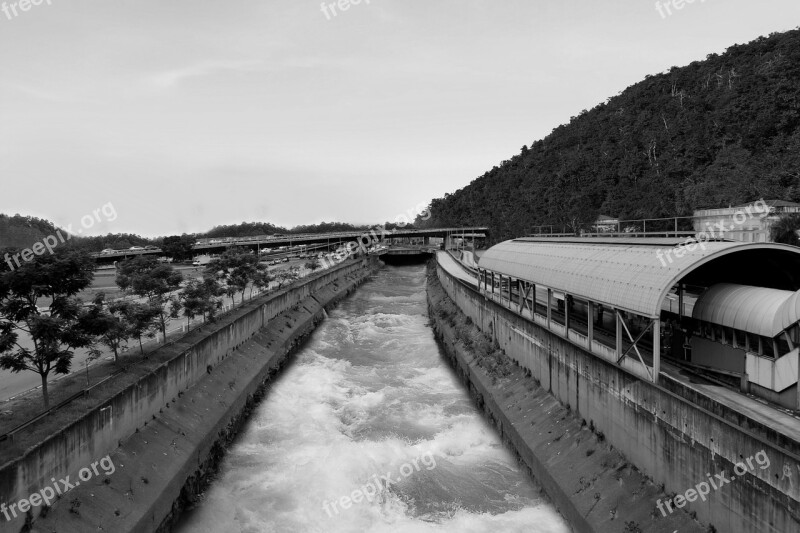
21,232
718,132
253,229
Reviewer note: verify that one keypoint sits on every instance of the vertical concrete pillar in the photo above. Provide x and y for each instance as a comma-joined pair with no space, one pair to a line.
590,323
656,349
549,310
798,381
619,334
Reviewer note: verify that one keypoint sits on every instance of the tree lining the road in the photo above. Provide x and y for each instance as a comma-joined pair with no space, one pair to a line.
146,277
69,324
56,334
235,269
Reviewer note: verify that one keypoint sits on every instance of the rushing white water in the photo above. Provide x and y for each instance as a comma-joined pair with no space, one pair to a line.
370,397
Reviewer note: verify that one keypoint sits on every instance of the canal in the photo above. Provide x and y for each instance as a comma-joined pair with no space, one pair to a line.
368,429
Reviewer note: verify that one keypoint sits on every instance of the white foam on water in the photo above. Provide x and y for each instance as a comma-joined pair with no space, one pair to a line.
370,396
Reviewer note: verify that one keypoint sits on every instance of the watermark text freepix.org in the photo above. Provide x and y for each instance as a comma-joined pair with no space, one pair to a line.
50,242
661,7
11,12
50,493
342,5
703,489
689,245
366,240
372,489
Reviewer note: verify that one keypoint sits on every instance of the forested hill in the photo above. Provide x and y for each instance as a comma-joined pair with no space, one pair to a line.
714,133
22,231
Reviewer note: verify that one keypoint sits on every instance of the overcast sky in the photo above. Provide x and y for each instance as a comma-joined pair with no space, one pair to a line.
189,114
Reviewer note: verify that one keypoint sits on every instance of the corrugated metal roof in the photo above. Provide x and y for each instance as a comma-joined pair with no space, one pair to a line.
630,274
753,309
616,241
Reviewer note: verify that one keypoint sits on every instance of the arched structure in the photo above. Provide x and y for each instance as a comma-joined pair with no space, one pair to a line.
585,289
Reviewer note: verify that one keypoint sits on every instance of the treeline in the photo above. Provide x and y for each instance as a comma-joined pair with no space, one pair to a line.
19,232
718,132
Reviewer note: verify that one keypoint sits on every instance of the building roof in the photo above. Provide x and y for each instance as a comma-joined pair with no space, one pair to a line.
756,310
635,274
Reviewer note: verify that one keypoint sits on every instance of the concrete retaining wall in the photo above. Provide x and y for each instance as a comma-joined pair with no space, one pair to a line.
167,463
100,430
671,433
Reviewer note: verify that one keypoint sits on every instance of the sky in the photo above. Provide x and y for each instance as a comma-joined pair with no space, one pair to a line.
184,115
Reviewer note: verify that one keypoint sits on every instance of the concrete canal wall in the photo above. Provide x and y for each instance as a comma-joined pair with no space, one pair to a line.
198,357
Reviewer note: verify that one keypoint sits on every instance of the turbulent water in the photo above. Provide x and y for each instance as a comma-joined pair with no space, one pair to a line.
369,430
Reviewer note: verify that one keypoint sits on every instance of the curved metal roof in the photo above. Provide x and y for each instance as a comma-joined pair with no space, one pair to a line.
630,274
753,309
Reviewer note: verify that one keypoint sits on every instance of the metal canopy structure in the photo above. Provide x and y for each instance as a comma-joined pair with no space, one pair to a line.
636,274
757,310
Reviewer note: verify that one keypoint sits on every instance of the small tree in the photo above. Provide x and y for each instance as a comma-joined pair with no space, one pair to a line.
261,280
199,297
286,277
178,247
143,320
54,336
235,269
313,264
784,230
109,324
117,322
145,277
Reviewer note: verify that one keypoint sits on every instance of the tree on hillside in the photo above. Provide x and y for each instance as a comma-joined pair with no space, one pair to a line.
722,131
44,342
145,277
785,229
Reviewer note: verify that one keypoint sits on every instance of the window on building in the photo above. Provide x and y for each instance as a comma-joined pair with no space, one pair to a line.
716,332
783,345
752,340
766,346
739,336
794,331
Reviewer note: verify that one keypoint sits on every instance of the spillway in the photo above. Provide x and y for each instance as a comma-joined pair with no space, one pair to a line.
368,429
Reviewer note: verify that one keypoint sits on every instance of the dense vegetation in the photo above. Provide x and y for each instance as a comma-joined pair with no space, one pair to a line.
252,229
718,132
22,232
